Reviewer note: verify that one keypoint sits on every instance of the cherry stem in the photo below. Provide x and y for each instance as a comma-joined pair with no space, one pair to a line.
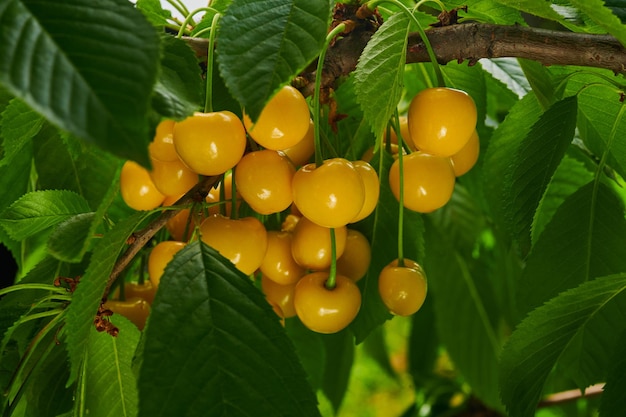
319,160
396,123
208,100
441,5
331,282
234,213
32,286
189,18
431,53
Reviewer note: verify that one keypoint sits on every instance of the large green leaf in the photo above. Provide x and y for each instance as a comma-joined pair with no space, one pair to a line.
613,399
214,347
14,182
602,16
538,342
40,210
18,125
107,387
178,91
263,44
504,143
87,66
532,166
89,292
379,74
310,349
381,228
487,11
339,349
466,329
583,240
538,8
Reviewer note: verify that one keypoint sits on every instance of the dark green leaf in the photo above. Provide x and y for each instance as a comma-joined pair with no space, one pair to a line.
178,91
379,74
533,165
583,240
540,80
214,347
68,242
18,125
310,349
381,228
603,16
423,342
108,385
263,44
88,67
14,182
339,359
538,342
90,290
466,329
40,210
613,399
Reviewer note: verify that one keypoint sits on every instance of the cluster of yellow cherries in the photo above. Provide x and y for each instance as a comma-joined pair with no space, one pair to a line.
310,266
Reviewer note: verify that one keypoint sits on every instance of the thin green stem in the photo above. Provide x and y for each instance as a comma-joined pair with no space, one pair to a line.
396,122
319,160
32,286
331,282
189,18
431,53
234,213
179,7
442,7
208,101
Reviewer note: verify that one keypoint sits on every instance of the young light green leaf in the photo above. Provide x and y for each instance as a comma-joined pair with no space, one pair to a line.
613,402
603,16
263,44
381,229
466,330
539,340
583,240
94,83
487,11
88,294
214,346
18,125
154,12
379,74
40,210
178,91
533,166
109,384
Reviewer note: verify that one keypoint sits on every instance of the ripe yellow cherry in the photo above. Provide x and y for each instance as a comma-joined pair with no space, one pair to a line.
301,152
283,122
311,244
428,181
263,178
330,195
137,189
210,143
242,241
278,263
162,145
402,288
280,296
371,188
323,310
441,120
356,257
160,256
172,177
466,158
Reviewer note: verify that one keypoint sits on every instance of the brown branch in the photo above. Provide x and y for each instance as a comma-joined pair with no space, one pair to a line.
139,239
571,395
471,41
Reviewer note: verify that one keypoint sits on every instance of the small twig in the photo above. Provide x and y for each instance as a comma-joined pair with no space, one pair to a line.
571,395
140,238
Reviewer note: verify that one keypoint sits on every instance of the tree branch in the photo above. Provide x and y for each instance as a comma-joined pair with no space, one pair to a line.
470,41
571,395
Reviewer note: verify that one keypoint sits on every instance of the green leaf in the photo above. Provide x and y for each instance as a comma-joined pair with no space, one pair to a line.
504,143
538,342
381,229
569,177
18,125
613,401
534,164
539,8
68,242
540,80
94,83
108,384
40,210
509,72
214,347
466,329
339,359
154,12
178,91
310,349
14,182
423,343
603,16
88,294
486,11
583,240
379,74
263,44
